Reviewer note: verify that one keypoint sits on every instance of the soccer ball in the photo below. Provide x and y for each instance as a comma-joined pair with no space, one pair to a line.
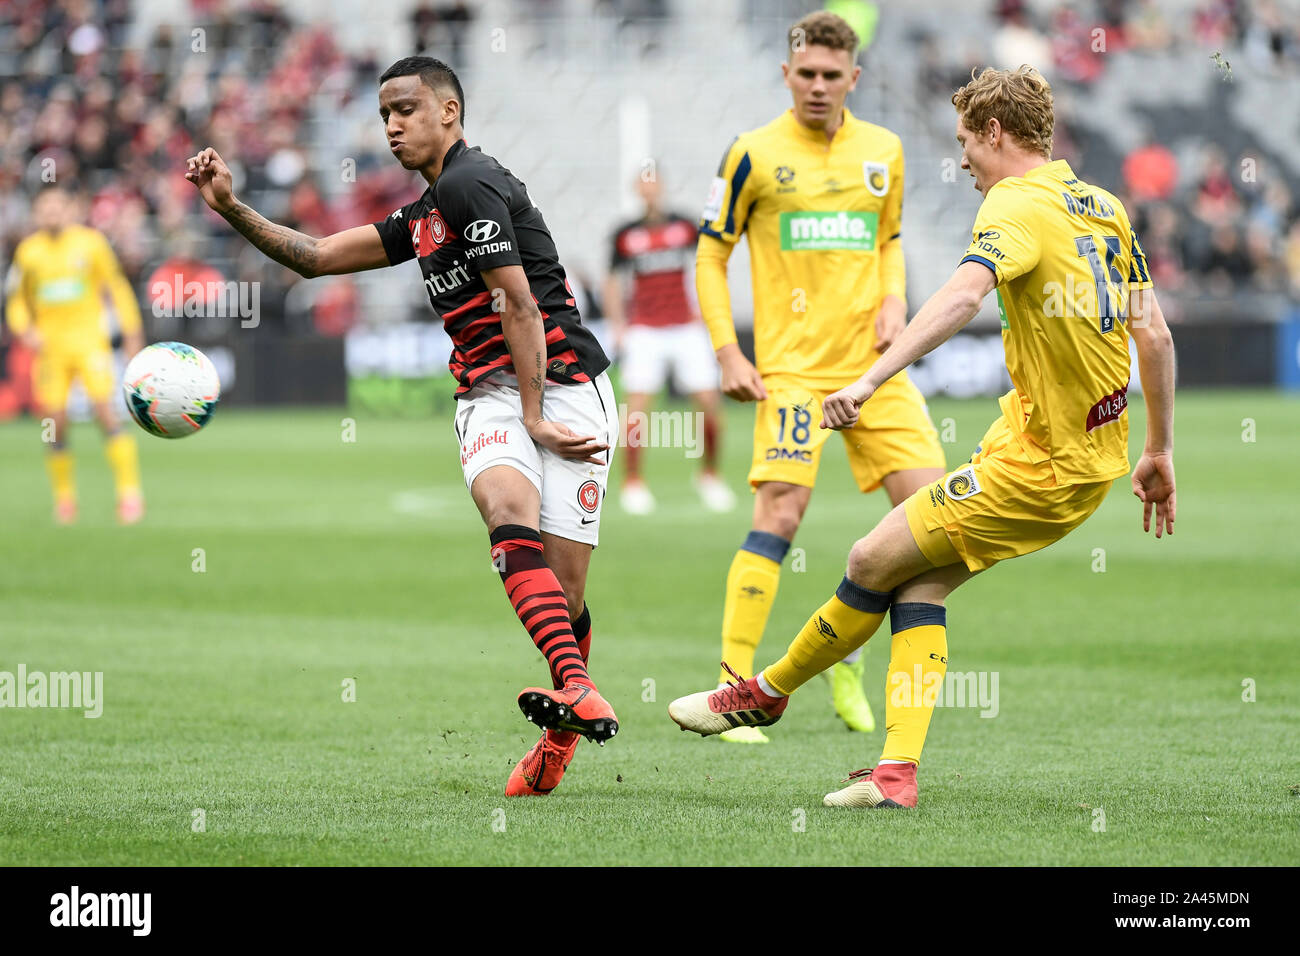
171,389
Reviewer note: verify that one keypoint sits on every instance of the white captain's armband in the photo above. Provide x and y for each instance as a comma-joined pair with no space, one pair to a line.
713,204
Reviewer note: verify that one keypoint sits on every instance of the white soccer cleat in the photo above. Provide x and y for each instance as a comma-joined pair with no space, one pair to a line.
886,787
743,734
735,704
714,493
636,498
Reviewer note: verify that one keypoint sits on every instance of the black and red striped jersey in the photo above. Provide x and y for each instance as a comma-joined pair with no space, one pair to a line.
658,254
478,216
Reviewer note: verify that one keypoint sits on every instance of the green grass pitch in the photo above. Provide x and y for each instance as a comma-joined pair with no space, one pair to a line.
1119,690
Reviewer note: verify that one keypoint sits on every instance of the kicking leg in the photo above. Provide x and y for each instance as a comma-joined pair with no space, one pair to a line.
885,558
847,693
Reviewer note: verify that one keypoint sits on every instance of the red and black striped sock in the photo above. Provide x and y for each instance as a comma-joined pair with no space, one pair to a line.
582,635
538,599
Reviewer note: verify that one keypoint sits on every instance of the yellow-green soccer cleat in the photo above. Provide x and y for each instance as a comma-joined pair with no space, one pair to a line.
849,697
744,735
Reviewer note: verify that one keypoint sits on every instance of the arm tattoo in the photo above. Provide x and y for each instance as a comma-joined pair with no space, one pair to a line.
286,246
538,379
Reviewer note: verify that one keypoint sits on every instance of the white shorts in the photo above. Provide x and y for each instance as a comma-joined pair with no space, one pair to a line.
490,429
650,352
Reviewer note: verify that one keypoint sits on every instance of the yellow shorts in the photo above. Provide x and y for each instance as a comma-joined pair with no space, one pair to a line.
55,367
997,506
893,433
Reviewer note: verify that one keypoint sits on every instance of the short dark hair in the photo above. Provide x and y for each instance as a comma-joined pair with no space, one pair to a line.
433,73
823,28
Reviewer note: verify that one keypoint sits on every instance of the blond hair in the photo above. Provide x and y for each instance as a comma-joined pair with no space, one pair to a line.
823,28
1021,100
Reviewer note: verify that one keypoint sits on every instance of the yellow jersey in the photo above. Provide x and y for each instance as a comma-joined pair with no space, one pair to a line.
1066,259
57,282
823,220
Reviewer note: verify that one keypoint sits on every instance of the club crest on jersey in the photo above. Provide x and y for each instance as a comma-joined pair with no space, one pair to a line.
876,176
428,233
589,496
961,484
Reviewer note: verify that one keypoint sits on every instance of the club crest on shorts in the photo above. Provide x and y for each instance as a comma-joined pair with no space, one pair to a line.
876,176
589,496
961,484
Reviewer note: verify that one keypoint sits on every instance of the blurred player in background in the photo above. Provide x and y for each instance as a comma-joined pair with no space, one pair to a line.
1072,285
526,369
820,195
56,309
657,332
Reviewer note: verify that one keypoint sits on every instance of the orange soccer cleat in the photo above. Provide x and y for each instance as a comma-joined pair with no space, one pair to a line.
577,708
65,511
542,768
130,508
888,786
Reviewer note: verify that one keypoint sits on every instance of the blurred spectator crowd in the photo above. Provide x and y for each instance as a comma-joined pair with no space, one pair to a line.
1211,224
115,124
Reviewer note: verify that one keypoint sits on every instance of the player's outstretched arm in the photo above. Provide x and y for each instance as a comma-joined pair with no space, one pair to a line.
946,312
1153,476
352,250
521,325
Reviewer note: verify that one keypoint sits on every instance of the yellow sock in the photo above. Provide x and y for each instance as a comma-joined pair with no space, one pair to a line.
918,662
59,464
840,626
123,458
751,592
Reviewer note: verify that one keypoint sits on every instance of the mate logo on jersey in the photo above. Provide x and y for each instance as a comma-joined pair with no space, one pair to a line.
828,230
57,291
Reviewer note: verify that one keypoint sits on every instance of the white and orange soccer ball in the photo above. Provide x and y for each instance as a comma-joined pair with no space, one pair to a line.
171,389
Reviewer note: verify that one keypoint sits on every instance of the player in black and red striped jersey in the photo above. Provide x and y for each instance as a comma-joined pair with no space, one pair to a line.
658,331
536,419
